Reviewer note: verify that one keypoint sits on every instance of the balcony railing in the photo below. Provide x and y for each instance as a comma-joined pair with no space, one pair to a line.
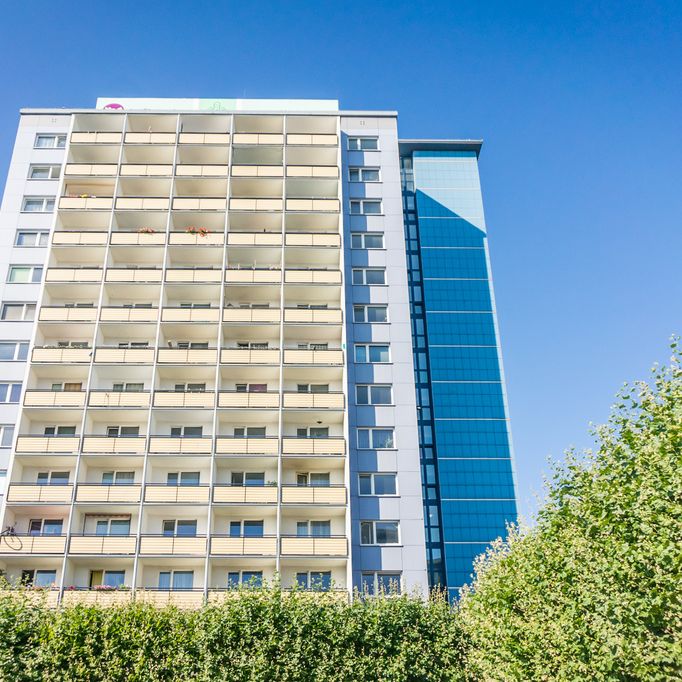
258,138
204,138
233,445
91,169
160,545
133,274
60,313
258,315
256,399
57,355
310,276
111,398
317,205
150,138
144,169
332,494
191,239
182,599
21,544
314,139
86,203
199,204
313,239
181,445
188,356
269,275
132,356
142,203
312,171
193,275
248,356
313,357
265,545
30,492
313,315
335,545
73,238
183,494
31,444
313,446
254,239
102,544
124,238
46,398
256,204
88,597
130,445
201,399
203,171
95,138
128,314
326,401
173,314
255,171
245,494
73,275
100,492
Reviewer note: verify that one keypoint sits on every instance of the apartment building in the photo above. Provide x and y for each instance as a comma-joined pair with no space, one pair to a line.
209,372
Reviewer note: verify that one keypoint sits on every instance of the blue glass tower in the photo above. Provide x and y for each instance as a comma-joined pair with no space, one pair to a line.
465,445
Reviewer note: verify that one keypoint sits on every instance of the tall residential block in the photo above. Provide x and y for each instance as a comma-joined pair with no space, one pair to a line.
244,339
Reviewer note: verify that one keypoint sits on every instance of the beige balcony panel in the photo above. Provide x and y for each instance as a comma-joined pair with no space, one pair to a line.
257,171
146,169
255,204
183,239
132,444
189,356
86,203
313,495
182,599
247,446
150,138
313,446
200,204
59,494
258,138
92,169
315,546
254,239
102,545
86,492
313,357
253,276
333,401
192,494
250,314
99,597
68,238
142,203
48,444
24,544
137,238
204,171
61,355
249,357
313,276
312,139
312,171
193,275
129,314
38,398
260,400
325,205
313,316
95,138
184,399
180,545
204,138
190,314
59,314
125,355
133,275
265,494
307,239
189,446
244,546
73,275
118,399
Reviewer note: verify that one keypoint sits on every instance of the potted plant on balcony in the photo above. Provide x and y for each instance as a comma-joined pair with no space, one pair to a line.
146,230
199,231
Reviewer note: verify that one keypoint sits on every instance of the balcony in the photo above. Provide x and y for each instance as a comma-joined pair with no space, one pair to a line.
294,494
182,599
320,239
48,444
312,171
309,276
125,356
45,398
99,492
231,445
106,398
212,170
255,171
102,544
184,494
73,238
138,238
249,494
192,239
314,546
253,275
244,546
324,401
128,314
59,313
73,275
199,204
95,138
254,239
262,204
242,399
17,545
188,356
180,445
201,399
316,139
130,445
162,545
102,597
251,315
86,203
247,356
146,170
318,205
142,203
314,315
204,138
313,357
133,275
258,138
91,169
28,492
150,138
58,355
313,446
195,275
172,314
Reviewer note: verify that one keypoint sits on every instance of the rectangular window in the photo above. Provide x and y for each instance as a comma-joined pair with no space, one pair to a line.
6,435
369,276
363,174
319,529
250,529
320,581
187,431
31,238
13,350
367,240
375,439
370,313
183,478
377,484
37,205
176,580
9,392
3,481
50,172
46,141
25,274
371,353
379,533
178,527
18,312
373,394
123,431
118,477
363,144
244,578
380,583
365,206
45,578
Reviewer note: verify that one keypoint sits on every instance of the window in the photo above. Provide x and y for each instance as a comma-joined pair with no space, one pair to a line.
370,313
312,432
190,388
314,479
52,478
37,205
363,144
365,206
248,478
133,344
113,526
3,481
43,578
45,527
118,477
31,238
373,394
379,533
375,439
46,141
251,388
185,345
244,578
59,431
13,350
10,392
25,274
107,578
365,353
175,527
381,583
187,431
249,431
369,276
247,529
367,240
6,435
377,484
312,388
176,580
363,174
128,387
315,529
123,431
18,312
183,478
50,172
320,581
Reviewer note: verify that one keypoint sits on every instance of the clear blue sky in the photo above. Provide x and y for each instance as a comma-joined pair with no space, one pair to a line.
579,104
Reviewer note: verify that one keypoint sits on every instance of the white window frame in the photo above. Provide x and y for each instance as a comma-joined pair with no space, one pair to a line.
4,430
3,482
370,430
37,234
361,204
48,203
375,580
32,269
361,173
53,171
25,306
59,140
365,307
363,275
17,349
368,347
372,523
369,388
371,475
355,143
363,239
8,395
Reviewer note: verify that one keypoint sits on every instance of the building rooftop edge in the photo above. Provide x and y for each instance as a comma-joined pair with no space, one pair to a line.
64,111
430,145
